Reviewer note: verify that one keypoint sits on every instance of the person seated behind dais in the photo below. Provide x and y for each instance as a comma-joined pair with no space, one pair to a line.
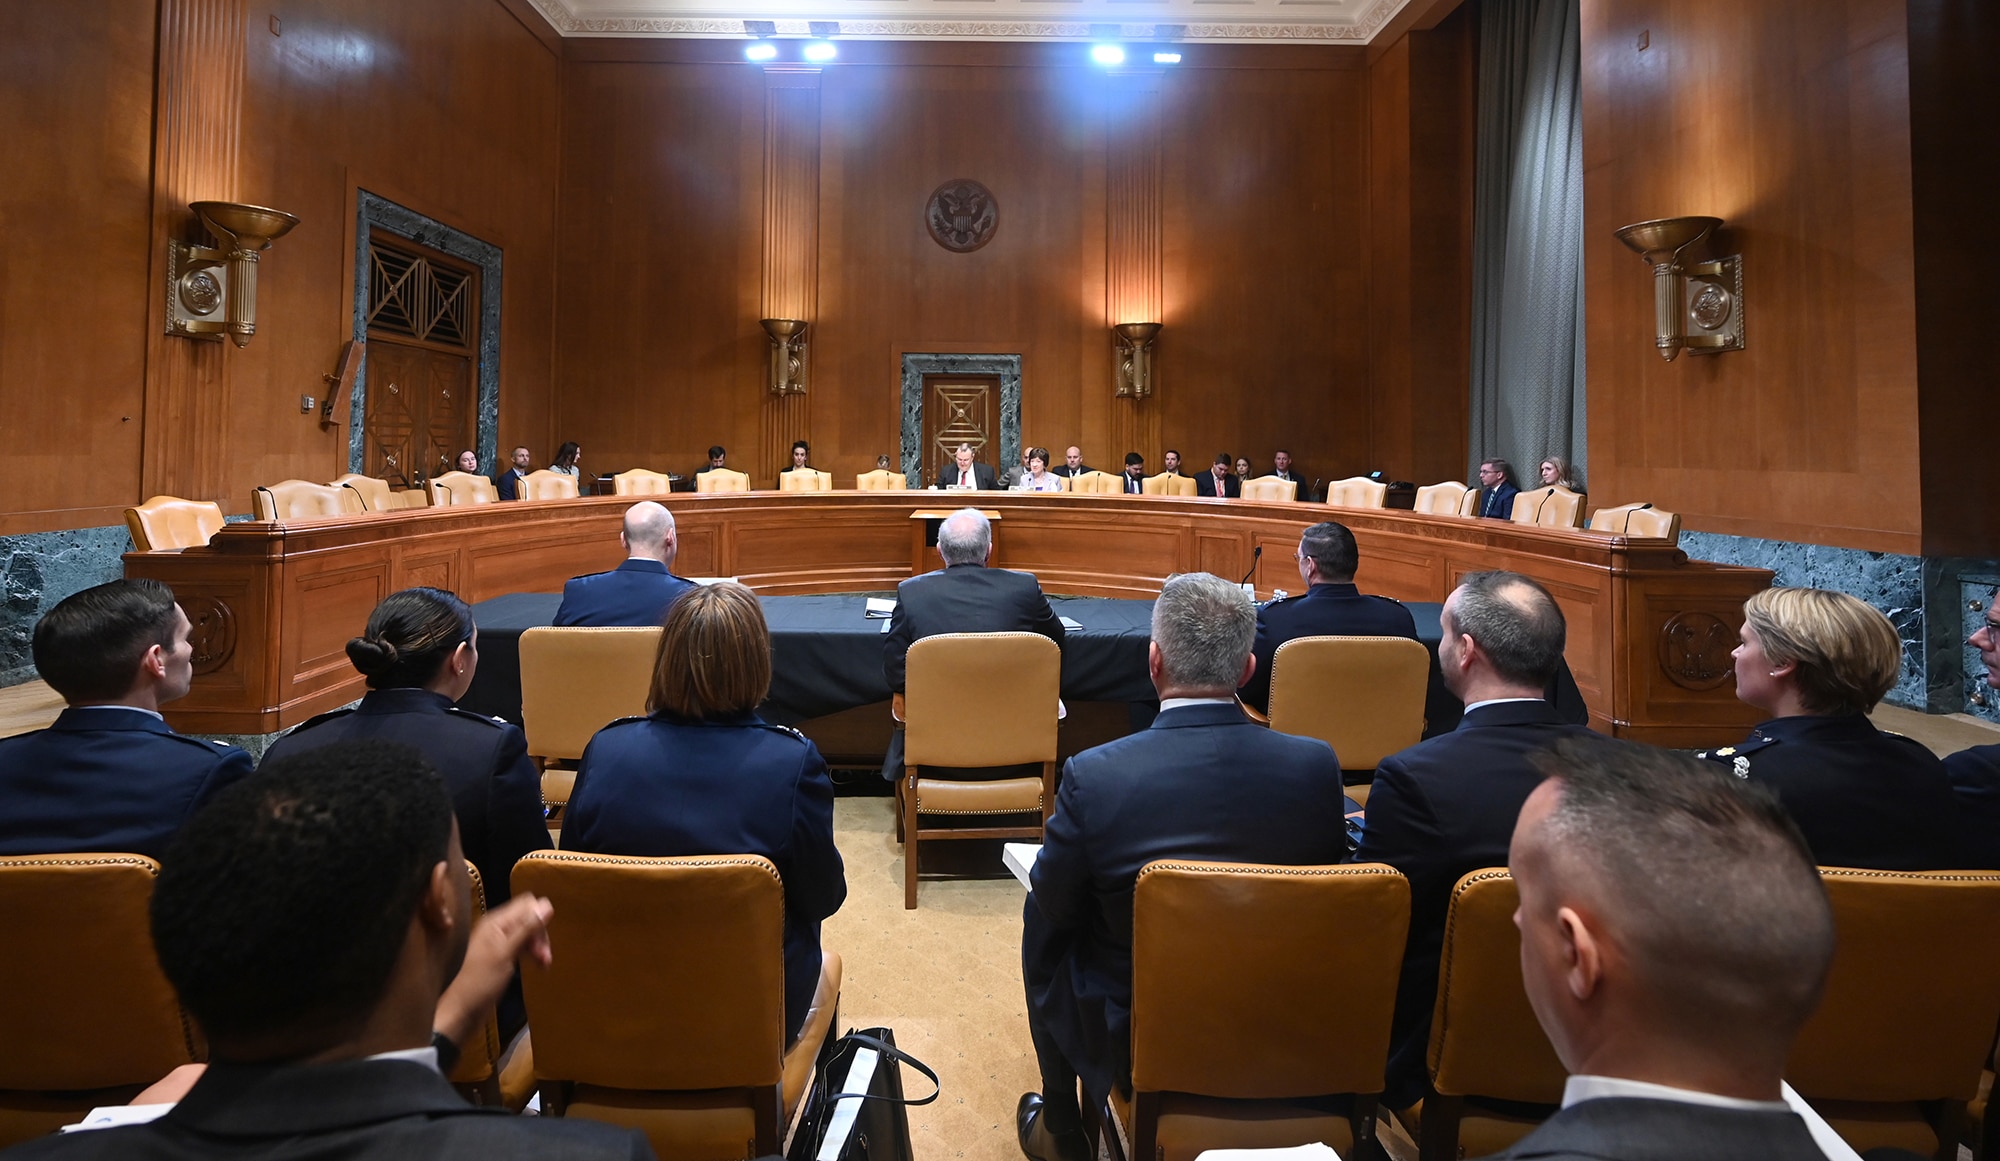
110,774
703,775
1975,773
638,591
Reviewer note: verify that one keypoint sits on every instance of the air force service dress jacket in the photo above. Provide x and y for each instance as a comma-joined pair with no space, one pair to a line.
635,594
107,778
1203,782
1324,610
496,792
663,786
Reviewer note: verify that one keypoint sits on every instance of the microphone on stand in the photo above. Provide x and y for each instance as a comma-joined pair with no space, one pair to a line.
1314,490
1256,555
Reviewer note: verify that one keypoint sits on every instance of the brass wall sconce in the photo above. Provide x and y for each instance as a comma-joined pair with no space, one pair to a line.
203,306
788,355
1698,305
1133,351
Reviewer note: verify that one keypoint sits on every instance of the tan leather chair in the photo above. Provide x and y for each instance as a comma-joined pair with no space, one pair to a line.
722,480
1485,1040
640,482
805,480
1909,1008
374,493
1470,505
410,498
169,523
1357,492
575,680
1252,987
1613,518
1270,488
303,499
1656,523
882,480
487,1073
1446,499
1098,483
463,488
547,485
674,1025
1166,485
1364,696
86,1017
1011,722
1551,507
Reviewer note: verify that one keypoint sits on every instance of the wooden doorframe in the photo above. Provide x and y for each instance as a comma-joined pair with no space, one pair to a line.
937,453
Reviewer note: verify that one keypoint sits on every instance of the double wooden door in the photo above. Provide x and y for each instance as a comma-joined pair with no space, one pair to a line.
961,409
418,412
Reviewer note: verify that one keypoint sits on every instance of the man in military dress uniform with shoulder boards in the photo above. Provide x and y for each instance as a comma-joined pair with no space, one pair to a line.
1330,607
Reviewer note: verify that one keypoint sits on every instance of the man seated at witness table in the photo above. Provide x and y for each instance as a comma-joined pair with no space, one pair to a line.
508,483
1072,464
1447,805
1497,489
110,775
1218,480
1331,606
638,591
1135,474
1281,467
1172,462
1202,783
1975,773
964,473
310,922
1674,939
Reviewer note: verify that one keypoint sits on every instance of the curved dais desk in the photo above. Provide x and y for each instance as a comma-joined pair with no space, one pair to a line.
274,604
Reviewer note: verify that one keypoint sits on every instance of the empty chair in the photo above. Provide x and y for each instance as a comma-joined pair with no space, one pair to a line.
1098,483
1552,507
1166,485
1364,696
1254,988
1446,499
1470,505
374,493
1655,523
722,480
546,485
1613,518
410,498
1270,488
303,499
1357,492
882,480
87,1017
640,482
462,488
483,1075
169,523
674,1026
804,480
575,681
1011,723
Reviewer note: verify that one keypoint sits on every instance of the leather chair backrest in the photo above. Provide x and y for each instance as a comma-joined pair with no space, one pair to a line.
722,480
1357,492
1910,1002
374,493
1099,483
1166,485
882,480
464,488
1364,696
1560,508
805,480
1470,505
1656,523
1446,499
85,1005
1260,982
1613,519
692,998
410,498
477,1061
303,499
1012,720
640,482
1485,1040
544,484
169,523
1270,488
575,680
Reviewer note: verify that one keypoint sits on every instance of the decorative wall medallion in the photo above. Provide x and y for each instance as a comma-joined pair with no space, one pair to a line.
1710,306
1695,649
212,631
962,215
201,293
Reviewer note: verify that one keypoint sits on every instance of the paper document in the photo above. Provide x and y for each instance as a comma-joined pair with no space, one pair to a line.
1020,859
839,1126
1312,1152
1071,625
112,1116
879,607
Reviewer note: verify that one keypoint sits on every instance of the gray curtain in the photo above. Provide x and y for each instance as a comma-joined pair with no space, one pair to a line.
1527,272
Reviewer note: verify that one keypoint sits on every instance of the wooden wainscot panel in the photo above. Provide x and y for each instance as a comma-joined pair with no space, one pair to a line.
1678,629
775,552
700,550
1226,554
327,601
230,603
436,567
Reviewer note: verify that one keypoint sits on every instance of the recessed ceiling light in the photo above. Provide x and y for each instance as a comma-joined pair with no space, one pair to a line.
1107,54
762,50
821,50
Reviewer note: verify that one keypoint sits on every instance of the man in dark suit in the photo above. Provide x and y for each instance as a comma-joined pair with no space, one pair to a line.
717,458
1281,467
508,483
310,921
964,597
1446,806
1975,773
110,775
1072,464
1497,489
1330,607
963,472
638,591
1674,939
1171,463
1219,480
1135,474
1202,783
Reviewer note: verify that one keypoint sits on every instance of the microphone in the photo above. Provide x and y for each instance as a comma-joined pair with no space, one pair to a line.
1314,490
1256,554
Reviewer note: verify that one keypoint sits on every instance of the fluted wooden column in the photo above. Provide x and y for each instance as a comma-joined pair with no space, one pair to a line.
1134,263
198,107
791,242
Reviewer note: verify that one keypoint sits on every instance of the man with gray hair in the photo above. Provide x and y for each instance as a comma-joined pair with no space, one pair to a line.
1674,939
1447,805
637,592
1202,783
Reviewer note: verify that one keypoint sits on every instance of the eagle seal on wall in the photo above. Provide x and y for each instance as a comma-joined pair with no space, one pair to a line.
962,215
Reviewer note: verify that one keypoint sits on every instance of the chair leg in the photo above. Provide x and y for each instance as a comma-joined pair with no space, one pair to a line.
910,843
767,1106
1145,1125
1437,1140
1048,792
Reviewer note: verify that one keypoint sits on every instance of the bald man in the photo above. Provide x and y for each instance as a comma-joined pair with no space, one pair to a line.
638,591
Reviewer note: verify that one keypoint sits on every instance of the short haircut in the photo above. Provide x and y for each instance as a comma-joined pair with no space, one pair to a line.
1174,452
409,637
282,907
89,646
1848,654
1331,547
1204,626
1505,469
965,537
716,450
1700,875
714,659
1281,452
520,447
647,525
1515,622
1038,453
1134,458
881,462
1224,458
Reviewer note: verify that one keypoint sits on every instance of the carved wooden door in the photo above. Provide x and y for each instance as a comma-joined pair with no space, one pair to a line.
961,409
423,332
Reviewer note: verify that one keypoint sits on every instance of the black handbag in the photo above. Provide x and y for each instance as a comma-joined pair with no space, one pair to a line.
879,1129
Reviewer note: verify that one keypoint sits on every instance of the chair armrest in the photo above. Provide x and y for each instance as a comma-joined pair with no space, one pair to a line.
1260,719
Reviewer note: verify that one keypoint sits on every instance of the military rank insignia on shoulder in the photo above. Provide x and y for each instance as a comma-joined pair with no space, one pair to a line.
483,719
787,730
1737,756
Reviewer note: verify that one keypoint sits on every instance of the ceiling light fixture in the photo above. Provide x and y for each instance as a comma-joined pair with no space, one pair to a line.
1166,58
761,50
1107,54
820,50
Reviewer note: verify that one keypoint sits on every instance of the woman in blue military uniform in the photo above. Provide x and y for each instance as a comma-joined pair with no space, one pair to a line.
702,775
1817,662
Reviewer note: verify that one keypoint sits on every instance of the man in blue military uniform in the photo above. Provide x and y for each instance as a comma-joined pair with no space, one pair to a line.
638,591
110,775
1330,607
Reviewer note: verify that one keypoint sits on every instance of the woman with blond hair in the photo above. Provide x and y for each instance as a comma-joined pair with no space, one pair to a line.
1817,662
1556,472
701,774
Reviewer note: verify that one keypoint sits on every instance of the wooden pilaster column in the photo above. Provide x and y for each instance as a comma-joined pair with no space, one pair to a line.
1134,266
791,245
